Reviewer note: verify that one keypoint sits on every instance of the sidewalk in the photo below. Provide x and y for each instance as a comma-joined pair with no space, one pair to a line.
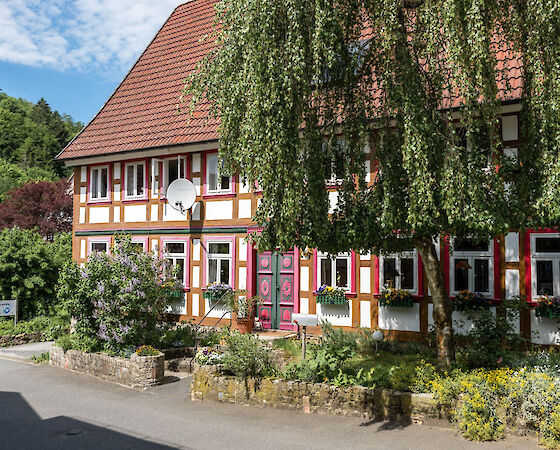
26,351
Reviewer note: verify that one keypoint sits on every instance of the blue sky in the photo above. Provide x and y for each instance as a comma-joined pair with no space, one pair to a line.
74,53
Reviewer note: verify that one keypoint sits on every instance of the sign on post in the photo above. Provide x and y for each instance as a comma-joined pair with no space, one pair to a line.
8,308
304,320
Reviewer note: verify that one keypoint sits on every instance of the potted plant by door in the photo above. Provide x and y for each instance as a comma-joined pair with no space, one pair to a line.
245,308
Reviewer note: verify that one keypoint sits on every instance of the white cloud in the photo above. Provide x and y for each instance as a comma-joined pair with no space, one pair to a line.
100,36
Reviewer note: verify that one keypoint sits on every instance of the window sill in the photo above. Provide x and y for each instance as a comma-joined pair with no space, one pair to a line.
133,200
99,202
219,195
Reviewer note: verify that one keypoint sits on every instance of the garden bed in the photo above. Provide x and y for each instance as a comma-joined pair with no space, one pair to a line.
136,372
371,404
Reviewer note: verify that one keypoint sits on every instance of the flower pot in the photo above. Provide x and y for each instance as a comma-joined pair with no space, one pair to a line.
245,326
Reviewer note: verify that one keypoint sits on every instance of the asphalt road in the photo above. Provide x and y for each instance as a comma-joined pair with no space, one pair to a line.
43,407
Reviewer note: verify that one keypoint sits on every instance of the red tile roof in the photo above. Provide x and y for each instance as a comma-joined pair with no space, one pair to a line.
142,113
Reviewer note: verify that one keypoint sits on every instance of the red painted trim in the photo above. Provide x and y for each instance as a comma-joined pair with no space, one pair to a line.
376,274
187,241
528,293
444,254
136,200
211,196
99,203
205,241
497,277
296,279
352,273
109,200
124,180
93,239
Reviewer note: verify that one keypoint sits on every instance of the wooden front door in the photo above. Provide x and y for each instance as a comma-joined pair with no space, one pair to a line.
275,286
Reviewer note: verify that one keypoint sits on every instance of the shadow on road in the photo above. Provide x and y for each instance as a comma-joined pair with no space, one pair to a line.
22,428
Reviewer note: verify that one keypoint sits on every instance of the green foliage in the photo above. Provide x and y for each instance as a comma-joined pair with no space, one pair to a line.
51,327
246,356
29,269
117,298
78,342
182,335
491,336
31,135
43,358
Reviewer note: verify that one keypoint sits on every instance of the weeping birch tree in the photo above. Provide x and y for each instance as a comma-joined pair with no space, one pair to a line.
300,86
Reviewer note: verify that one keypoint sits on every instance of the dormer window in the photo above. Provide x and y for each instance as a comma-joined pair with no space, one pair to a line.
135,180
99,183
216,183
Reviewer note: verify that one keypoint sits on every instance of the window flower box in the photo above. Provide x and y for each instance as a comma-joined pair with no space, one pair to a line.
548,307
217,292
398,298
173,289
328,295
471,301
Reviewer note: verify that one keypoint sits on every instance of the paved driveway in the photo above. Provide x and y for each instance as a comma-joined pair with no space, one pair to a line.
43,407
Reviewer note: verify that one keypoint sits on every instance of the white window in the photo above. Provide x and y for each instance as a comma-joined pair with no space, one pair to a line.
334,154
334,271
215,182
173,168
101,246
138,245
135,180
399,271
471,267
219,263
545,264
99,183
176,253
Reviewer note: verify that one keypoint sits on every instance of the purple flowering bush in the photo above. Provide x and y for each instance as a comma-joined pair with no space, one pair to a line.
117,298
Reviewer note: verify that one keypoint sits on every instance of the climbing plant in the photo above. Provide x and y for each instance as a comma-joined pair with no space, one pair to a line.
421,82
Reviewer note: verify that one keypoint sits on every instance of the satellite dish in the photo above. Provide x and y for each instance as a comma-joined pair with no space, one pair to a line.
181,194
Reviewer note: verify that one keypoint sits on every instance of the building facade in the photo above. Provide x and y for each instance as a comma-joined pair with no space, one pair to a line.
140,142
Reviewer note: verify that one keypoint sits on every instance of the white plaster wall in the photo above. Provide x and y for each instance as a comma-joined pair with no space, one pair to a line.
365,280
365,314
196,182
304,305
512,283
82,215
512,247
154,216
135,213
117,192
368,170
544,330
82,248
117,170
155,245
196,162
511,152
244,188
196,249
243,278
83,194
242,249
333,201
244,211
196,276
195,305
83,174
196,211
509,128
177,306
338,315
171,214
218,311
401,319
461,324
116,214
219,210
99,214
304,278
365,257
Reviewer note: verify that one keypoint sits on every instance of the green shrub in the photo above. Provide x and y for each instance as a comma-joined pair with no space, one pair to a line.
29,270
51,327
549,434
76,342
476,417
182,335
246,356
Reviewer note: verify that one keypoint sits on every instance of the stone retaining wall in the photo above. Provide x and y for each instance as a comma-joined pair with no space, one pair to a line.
20,339
378,404
136,372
